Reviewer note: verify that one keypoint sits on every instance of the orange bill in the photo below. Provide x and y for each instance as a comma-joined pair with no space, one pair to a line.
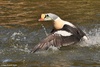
42,17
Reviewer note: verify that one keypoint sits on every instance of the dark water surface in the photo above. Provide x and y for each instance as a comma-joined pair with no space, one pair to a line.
20,31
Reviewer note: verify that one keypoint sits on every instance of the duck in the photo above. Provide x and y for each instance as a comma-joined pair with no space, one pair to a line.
63,33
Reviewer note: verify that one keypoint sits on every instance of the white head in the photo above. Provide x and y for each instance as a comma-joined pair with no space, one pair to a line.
48,17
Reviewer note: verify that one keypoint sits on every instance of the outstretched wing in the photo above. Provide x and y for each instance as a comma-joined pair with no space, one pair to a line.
51,40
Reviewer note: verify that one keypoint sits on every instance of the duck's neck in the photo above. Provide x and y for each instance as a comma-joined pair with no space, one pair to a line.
58,23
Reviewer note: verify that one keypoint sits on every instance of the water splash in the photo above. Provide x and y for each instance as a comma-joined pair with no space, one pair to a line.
24,48
94,38
19,42
17,36
44,29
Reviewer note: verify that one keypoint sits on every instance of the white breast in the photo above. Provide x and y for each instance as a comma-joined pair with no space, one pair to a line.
63,33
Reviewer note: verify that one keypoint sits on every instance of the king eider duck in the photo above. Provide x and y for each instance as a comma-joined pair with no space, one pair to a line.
64,33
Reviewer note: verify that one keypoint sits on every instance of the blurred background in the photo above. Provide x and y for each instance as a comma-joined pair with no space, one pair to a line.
20,31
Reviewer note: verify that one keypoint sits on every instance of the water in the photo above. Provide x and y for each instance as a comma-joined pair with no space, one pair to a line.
20,32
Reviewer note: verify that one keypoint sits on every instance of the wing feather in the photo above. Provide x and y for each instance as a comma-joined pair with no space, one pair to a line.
51,40
75,31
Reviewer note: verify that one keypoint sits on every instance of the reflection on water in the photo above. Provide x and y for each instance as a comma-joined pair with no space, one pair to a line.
20,32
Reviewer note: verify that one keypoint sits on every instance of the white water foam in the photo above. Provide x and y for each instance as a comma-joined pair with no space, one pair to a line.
93,38
22,48
17,36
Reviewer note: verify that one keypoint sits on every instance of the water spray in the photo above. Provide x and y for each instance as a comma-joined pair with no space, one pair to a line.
44,30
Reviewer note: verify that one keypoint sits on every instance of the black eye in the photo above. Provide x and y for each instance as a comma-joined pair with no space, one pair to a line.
46,16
